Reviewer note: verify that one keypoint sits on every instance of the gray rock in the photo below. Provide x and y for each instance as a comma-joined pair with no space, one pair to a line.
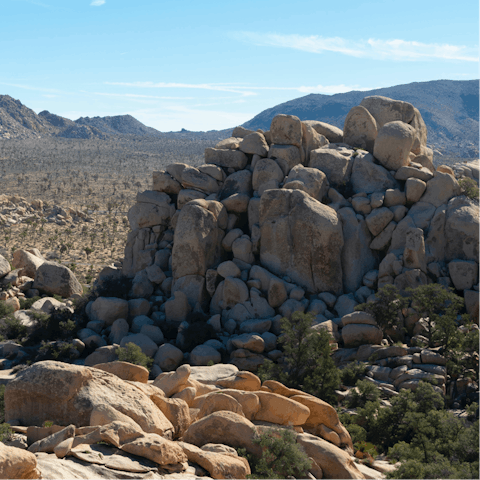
148,346
57,279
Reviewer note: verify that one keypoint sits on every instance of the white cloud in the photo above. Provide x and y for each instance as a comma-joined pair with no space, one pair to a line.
97,3
395,49
241,89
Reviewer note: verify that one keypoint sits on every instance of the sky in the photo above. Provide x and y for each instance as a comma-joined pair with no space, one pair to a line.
211,65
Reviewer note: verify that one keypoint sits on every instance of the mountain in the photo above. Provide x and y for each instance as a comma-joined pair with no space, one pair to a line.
449,108
119,124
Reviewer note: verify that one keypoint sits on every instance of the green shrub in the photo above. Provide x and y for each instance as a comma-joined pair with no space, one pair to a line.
308,365
386,307
282,456
132,353
26,303
469,188
363,392
5,432
352,372
358,433
5,309
12,328
439,306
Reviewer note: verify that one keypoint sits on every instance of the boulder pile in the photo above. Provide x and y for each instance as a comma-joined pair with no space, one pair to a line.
303,217
189,421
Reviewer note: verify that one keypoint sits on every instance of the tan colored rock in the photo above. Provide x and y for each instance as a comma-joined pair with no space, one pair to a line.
414,189
249,402
287,156
310,180
164,182
378,220
393,144
172,382
105,414
143,214
322,413
218,402
330,132
186,394
360,129
176,411
155,448
266,171
334,462
369,177
26,262
218,465
125,371
280,389
385,109
254,144
329,435
63,448
414,253
49,443
311,140
335,161
440,189
420,132
226,158
241,381
278,409
461,231
286,130
61,392
17,463
231,143
4,266
241,132
198,237
446,169
223,427
301,238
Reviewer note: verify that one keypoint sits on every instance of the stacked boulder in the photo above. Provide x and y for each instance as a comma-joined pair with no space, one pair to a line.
189,421
300,218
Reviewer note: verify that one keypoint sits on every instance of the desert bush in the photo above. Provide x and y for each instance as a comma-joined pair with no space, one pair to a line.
281,456
5,309
307,362
352,372
26,303
439,306
363,392
132,353
12,328
386,307
469,188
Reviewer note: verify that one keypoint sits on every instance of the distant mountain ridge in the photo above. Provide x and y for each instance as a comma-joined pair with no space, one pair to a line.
450,109
19,121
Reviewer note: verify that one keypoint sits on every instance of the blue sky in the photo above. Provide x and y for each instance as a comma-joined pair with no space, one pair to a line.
210,64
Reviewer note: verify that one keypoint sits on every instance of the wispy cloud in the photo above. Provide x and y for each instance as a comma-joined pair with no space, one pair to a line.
395,49
241,89
218,87
138,96
97,3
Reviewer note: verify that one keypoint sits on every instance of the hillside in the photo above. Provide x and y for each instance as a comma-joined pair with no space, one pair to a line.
20,122
449,108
